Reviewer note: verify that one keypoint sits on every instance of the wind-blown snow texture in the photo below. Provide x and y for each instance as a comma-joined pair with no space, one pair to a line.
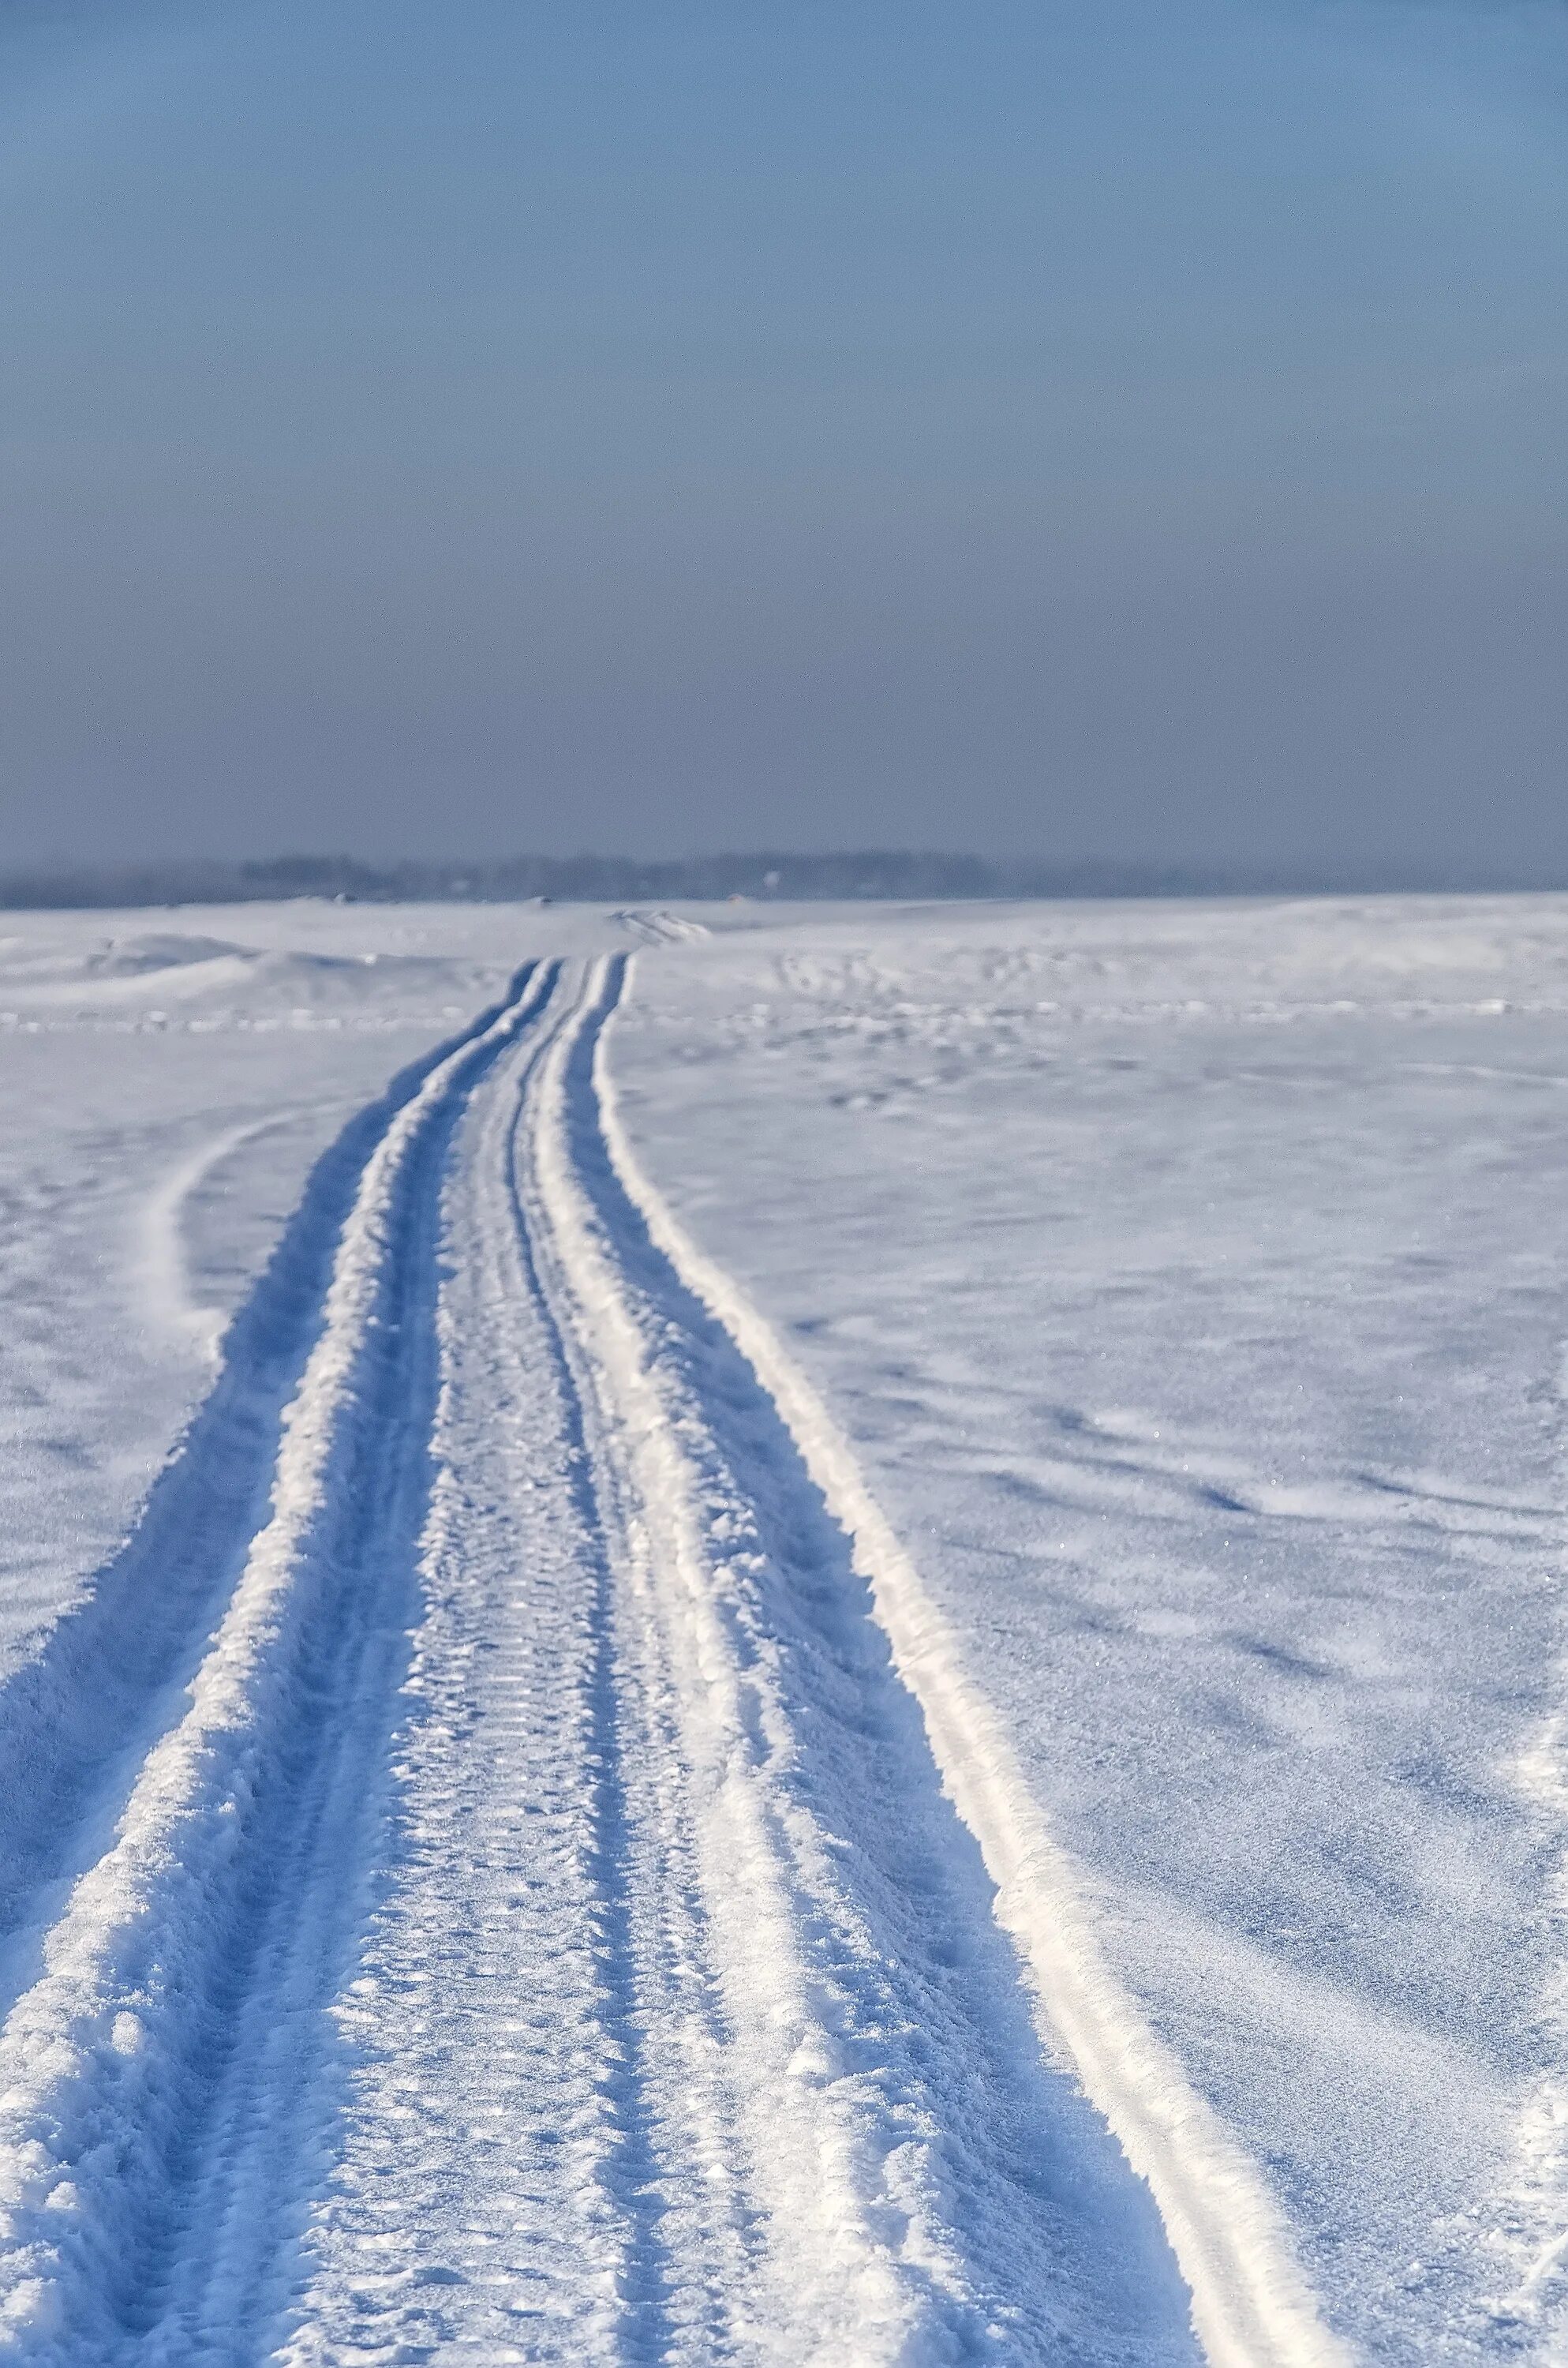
853,1654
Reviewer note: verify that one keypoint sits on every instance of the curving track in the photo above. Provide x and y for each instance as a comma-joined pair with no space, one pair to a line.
484,1887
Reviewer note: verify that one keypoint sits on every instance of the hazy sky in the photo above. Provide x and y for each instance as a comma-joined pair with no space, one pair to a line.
1074,428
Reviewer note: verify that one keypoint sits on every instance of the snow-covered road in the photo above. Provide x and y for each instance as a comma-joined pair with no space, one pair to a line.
524,1851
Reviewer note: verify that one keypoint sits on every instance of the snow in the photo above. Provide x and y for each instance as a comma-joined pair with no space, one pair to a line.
168,1081
1248,2300
1190,1281
799,1640
93,2053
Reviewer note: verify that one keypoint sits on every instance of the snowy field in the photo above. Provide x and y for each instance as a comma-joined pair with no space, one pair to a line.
784,1635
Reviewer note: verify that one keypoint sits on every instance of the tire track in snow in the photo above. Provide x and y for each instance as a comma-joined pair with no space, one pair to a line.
687,2031
497,2177
78,1717
160,1267
919,2184
171,2014
1250,2304
685,2028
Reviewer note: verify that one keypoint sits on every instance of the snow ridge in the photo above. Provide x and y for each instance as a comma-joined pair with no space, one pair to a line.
1250,2306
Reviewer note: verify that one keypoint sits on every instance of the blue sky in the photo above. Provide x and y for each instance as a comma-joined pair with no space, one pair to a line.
1071,431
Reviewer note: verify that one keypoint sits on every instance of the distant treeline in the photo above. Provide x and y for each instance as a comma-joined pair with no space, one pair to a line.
615,878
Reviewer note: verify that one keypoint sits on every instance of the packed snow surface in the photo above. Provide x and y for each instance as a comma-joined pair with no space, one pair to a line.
784,1634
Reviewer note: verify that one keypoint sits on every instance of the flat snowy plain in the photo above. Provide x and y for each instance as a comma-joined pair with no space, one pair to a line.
824,1635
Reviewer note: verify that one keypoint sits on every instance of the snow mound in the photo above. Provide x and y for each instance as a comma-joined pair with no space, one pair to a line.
161,949
52,960
660,929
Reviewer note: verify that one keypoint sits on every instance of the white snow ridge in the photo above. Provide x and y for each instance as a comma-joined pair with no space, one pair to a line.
526,1876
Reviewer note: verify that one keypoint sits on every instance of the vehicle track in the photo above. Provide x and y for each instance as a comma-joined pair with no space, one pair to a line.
182,1942
79,1717
794,2106
540,1929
